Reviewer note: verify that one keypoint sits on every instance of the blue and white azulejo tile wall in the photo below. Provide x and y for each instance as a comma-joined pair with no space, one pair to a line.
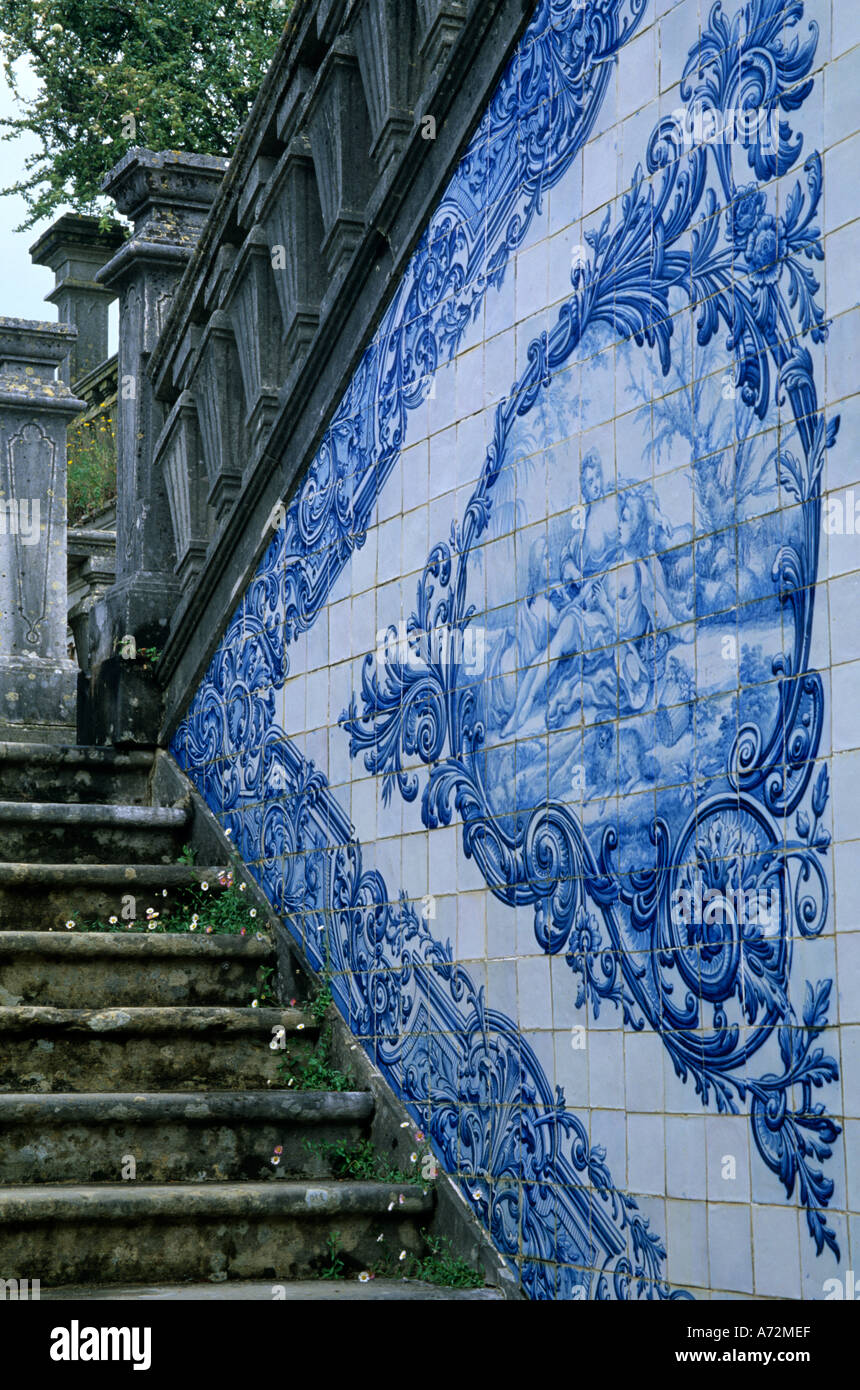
539,720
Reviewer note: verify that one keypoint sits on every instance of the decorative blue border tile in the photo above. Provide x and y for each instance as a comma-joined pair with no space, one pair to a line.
657,777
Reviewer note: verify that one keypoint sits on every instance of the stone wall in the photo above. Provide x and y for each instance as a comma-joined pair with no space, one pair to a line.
534,716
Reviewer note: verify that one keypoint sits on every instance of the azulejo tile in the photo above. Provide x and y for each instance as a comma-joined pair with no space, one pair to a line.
617,744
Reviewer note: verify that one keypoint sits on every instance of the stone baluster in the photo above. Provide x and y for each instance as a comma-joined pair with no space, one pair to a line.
385,41
441,22
339,133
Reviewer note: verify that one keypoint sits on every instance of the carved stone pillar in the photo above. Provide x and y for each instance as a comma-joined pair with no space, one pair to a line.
292,218
256,322
385,41
339,133
178,451
76,248
167,197
220,406
441,22
37,679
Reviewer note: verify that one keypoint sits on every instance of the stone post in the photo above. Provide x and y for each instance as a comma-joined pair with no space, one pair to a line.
37,679
167,197
76,248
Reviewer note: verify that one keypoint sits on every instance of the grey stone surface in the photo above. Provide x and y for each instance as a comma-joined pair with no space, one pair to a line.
138,1048
40,897
54,772
37,680
100,833
132,1232
338,128
139,1132
76,247
176,1137
297,1291
101,969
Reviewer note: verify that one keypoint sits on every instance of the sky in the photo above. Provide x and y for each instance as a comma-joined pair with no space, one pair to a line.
23,286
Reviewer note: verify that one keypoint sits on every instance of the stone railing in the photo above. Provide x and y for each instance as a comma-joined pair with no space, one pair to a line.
362,115
247,294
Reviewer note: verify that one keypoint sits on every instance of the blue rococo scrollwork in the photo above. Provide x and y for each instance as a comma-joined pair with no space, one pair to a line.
544,1193
714,991
687,230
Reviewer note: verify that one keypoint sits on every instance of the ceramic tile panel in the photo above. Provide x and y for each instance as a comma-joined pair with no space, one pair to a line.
538,721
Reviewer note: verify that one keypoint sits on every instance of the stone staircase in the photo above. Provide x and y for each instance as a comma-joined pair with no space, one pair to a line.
141,1103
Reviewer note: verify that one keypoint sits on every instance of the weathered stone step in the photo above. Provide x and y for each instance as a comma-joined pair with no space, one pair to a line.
42,897
94,970
215,1136
100,833
275,1230
49,772
297,1290
150,1049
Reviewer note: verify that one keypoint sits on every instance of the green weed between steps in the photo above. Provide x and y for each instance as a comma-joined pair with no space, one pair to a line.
222,906
439,1266
335,1269
315,1072
206,910
361,1162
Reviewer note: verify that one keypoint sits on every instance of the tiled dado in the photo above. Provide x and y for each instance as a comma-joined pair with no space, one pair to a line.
538,721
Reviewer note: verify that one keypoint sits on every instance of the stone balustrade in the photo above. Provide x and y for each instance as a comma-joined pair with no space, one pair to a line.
365,108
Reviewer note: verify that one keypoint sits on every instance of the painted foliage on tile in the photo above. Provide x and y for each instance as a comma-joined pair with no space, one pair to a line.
606,669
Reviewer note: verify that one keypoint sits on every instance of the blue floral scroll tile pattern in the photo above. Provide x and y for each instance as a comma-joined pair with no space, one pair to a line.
641,733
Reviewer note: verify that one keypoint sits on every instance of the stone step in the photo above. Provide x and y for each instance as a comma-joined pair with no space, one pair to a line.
297,1290
216,1136
41,831
150,1049
53,772
95,970
42,897
134,1233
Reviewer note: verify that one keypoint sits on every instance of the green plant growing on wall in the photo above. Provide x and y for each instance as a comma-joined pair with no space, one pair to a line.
168,74
91,467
